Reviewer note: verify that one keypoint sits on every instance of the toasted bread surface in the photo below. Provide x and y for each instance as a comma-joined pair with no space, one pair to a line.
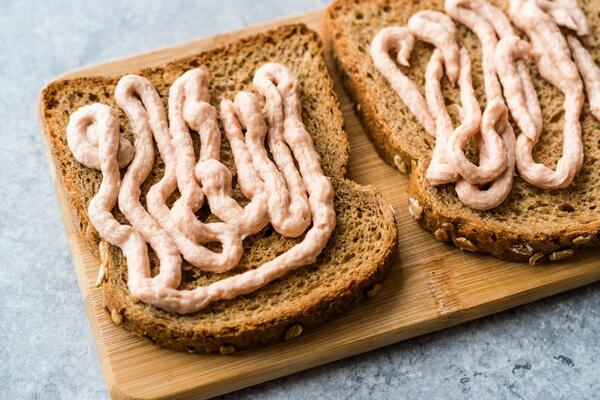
356,258
532,224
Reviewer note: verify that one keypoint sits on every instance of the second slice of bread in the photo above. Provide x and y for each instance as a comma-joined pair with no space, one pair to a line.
532,224
357,256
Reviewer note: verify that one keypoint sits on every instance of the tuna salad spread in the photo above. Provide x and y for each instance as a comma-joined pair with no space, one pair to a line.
561,59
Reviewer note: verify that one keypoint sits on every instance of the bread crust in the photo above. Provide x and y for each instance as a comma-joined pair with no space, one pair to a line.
467,231
218,332
252,335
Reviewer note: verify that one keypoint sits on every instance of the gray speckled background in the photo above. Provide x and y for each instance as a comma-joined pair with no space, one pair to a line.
547,350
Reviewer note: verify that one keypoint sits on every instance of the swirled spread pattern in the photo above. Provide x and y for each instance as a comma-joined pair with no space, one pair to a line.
291,192
562,61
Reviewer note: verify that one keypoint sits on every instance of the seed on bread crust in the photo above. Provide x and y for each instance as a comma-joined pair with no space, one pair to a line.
227,349
582,240
116,316
400,164
561,254
465,244
441,235
414,208
374,290
522,249
535,258
101,275
190,349
293,332
103,250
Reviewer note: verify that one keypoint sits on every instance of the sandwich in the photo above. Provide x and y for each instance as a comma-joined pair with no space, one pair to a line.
213,192
490,107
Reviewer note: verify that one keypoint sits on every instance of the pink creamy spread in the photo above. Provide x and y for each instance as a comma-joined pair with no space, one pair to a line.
290,198
476,16
554,62
560,60
401,40
449,163
438,172
436,28
566,13
590,73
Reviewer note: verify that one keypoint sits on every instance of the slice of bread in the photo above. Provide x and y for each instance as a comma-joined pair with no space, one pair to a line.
532,224
357,256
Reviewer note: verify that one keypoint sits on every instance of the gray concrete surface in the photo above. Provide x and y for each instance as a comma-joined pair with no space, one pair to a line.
547,350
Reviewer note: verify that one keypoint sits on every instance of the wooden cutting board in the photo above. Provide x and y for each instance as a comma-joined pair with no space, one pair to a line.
432,286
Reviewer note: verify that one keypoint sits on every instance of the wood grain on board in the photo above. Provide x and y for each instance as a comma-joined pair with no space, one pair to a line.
432,285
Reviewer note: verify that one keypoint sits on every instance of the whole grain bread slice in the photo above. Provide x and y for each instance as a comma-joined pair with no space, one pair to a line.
532,224
357,256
